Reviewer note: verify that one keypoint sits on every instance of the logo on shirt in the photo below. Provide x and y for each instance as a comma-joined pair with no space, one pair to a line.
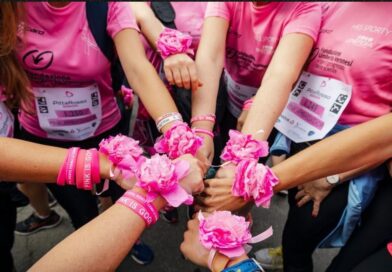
69,94
36,60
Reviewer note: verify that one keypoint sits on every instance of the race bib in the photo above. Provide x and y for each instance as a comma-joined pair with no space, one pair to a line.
314,108
69,113
238,94
6,121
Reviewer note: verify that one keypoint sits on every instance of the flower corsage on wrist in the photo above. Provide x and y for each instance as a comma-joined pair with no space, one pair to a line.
241,146
123,153
172,42
161,176
254,181
227,234
179,140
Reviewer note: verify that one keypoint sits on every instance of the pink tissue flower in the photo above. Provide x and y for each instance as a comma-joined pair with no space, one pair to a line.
124,152
161,176
224,232
127,95
241,146
173,42
254,181
178,140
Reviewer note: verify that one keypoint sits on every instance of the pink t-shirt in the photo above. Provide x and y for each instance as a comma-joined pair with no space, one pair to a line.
355,46
6,117
60,52
253,35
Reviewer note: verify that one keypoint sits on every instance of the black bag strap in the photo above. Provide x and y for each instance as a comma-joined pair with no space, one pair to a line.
164,12
97,14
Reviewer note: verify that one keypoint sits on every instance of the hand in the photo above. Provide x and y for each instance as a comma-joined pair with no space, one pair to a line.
180,70
206,152
191,246
316,190
217,194
241,119
125,183
193,182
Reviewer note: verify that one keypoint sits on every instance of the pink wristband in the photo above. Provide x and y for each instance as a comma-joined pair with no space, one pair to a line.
71,163
138,208
95,173
247,104
204,131
61,174
79,169
208,117
143,200
87,180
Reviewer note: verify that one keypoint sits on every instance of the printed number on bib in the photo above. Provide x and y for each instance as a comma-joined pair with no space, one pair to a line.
69,113
6,121
314,108
238,94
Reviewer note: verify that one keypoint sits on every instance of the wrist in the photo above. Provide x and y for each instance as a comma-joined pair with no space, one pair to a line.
104,166
203,125
237,260
159,202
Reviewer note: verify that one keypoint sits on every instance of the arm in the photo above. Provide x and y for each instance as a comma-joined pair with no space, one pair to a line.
360,146
283,71
180,68
209,63
142,76
30,162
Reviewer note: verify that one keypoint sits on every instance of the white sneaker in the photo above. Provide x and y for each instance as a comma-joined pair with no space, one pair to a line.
270,258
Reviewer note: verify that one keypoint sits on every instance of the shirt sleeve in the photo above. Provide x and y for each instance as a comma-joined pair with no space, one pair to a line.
306,19
120,17
218,9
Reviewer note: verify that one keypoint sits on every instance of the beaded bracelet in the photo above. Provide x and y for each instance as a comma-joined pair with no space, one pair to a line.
204,131
207,117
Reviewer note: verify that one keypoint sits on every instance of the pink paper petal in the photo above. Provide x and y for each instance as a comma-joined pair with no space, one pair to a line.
176,197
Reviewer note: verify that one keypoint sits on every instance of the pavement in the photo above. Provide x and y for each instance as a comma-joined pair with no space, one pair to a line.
164,238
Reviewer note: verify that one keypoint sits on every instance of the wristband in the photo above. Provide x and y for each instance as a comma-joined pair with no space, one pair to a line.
71,164
247,104
79,169
207,117
171,42
151,208
204,131
242,146
87,175
138,208
168,118
254,181
95,168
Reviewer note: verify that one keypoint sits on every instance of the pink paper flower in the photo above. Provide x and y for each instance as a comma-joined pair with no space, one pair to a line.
254,181
127,95
124,152
241,146
161,176
178,140
171,42
224,232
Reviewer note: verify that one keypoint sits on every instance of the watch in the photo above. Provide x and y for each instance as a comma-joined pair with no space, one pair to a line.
333,180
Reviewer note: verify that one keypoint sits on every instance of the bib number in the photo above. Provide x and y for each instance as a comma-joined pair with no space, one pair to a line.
69,113
314,107
238,94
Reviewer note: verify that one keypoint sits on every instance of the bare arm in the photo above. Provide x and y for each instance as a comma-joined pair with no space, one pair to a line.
142,75
282,73
31,162
360,146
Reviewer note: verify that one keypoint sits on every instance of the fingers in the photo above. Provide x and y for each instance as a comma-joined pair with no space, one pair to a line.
177,77
300,194
316,208
185,76
193,77
304,200
169,75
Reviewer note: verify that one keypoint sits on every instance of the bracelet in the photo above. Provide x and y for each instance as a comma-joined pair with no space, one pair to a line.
143,200
254,181
80,168
67,170
168,118
247,104
171,42
178,140
242,146
208,117
95,168
137,207
204,131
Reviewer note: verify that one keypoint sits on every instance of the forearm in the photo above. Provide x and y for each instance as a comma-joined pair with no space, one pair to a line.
100,245
267,106
31,162
365,144
149,25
